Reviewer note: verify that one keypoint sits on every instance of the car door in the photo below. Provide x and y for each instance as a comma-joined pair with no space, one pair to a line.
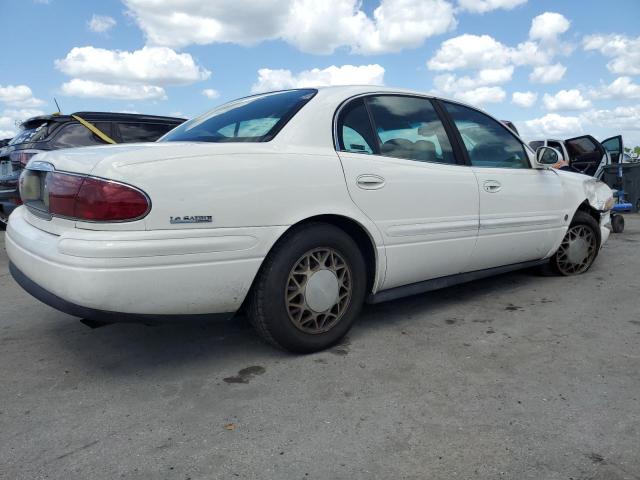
521,208
401,171
587,155
615,147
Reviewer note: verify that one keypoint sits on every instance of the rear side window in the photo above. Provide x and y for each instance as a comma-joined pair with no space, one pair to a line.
488,142
354,129
76,135
142,132
252,119
409,127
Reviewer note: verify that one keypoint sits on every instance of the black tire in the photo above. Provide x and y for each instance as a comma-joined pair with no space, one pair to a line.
582,221
617,223
638,205
268,309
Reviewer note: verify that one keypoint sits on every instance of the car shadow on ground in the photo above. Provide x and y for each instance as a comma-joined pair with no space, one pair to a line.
130,348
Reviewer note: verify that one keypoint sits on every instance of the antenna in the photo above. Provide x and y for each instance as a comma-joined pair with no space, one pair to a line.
59,110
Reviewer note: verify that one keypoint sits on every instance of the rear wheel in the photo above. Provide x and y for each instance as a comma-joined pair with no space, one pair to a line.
579,246
617,223
309,290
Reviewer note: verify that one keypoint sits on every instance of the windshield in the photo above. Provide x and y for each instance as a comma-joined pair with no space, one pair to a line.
252,119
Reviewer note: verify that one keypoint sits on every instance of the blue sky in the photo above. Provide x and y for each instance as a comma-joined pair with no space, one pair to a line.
575,65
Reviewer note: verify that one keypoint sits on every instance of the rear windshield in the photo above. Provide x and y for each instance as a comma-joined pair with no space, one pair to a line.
252,119
32,134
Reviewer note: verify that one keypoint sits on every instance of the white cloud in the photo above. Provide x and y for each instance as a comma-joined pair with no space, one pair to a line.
469,51
621,87
478,52
524,99
101,23
309,25
548,73
150,65
624,52
621,118
566,100
344,75
210,93
482,6
481,95
19,96
10,120
552,125
89,88
548,26
479,89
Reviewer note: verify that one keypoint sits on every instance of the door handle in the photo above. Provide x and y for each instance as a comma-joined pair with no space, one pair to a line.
370,182
492,186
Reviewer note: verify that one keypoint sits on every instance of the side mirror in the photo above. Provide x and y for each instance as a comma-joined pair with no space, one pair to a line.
548,156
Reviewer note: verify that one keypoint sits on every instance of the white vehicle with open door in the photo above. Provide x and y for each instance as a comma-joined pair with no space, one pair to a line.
585,154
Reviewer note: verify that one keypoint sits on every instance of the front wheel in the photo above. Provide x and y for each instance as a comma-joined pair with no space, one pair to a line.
579,246
309,290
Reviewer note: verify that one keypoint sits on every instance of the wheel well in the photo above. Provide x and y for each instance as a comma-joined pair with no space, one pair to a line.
359,235
588,209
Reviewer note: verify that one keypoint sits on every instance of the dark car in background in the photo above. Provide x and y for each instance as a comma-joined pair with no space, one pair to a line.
81,129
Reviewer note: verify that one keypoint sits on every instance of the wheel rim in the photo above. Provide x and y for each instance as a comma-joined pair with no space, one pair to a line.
577,250
318,290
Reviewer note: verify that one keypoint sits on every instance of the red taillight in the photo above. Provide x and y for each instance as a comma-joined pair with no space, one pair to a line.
94,199
104,201
63,190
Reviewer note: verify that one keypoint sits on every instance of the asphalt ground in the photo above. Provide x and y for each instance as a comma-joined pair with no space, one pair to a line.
514,377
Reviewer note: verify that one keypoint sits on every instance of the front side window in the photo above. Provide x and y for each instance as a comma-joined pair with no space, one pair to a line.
252,119
409,127
488,142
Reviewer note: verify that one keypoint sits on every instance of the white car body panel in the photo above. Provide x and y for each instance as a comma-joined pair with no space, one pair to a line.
428,221
427,213
522,220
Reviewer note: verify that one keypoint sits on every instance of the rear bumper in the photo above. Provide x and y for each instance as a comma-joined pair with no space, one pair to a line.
118,274
69,308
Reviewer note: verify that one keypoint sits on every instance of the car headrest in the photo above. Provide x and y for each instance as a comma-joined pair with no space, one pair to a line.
425,150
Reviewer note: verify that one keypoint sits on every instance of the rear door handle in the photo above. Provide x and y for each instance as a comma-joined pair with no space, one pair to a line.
492,186
370,182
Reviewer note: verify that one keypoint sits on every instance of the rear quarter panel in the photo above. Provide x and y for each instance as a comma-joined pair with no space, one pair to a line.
238,190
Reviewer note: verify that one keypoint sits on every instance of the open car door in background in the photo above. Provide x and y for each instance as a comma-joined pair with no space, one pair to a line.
586,155
614,146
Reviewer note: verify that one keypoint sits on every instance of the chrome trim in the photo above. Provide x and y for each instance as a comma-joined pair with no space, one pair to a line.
40,166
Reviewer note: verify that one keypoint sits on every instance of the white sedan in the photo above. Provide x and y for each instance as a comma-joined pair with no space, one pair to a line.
298,206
